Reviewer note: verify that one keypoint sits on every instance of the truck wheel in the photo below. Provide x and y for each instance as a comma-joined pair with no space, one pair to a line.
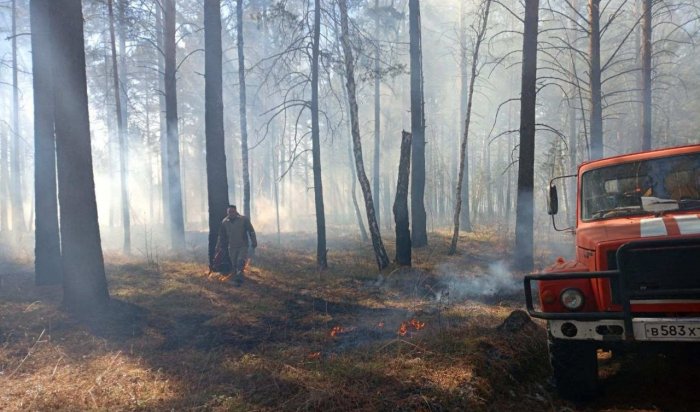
575,368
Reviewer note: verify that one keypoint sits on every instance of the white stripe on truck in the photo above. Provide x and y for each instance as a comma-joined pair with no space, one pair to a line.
653,227
688,224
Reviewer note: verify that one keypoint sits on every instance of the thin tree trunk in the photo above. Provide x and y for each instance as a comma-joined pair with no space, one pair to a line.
5,202
595,82
18,224
378,245
84,281
242,108
524,247
47,263
356,206
467,119
177,222
217,183
165,194
123,146
646,74
418,215
321,252
377,114
465,221
403,233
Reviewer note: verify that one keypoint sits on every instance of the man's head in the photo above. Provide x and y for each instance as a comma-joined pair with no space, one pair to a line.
231,211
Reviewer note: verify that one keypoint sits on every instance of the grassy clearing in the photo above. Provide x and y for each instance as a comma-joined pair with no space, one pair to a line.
288,339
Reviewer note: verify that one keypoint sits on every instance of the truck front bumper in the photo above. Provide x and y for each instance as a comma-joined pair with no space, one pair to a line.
643,329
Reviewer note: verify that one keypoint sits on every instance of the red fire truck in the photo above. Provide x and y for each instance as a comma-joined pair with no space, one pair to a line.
635,277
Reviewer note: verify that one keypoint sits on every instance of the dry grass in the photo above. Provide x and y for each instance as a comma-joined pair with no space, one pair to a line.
177,339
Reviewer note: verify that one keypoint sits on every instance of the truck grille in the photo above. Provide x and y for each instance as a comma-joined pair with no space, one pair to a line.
659,269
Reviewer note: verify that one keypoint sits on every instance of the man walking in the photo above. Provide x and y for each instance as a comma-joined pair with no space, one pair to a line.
237,233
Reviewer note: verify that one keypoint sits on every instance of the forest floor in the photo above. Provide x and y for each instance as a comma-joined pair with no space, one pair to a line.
432,337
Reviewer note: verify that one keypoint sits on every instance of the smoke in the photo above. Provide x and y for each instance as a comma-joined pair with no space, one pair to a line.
497,280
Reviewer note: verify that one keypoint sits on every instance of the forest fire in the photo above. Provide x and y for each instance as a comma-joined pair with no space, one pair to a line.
336,331
406,326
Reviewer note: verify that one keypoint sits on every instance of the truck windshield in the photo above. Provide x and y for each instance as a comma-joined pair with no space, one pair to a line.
643,187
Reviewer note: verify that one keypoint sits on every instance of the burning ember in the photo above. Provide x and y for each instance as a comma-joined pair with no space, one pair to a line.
314,355
380,324
337,330
414,324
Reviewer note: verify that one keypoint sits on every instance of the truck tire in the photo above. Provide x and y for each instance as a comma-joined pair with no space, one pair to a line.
575,368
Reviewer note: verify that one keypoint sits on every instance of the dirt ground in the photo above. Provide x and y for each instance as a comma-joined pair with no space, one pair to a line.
431,338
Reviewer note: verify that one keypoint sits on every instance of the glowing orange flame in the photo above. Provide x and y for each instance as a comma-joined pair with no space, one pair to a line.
336,330
314,355
417,325
407,325
380,324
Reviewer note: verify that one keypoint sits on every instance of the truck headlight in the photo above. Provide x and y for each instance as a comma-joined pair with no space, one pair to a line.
572,299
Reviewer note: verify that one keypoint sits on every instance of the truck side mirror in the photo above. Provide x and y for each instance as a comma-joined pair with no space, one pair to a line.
553,206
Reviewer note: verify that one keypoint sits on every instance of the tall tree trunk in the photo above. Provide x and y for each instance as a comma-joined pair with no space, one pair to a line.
377,114
321,253
165,194
84,281
595,82
483,19
177,222
356,207
524,248
217,183
18,224
418,216
379,251
123,145
465,223
646,74
47,250
242,108
403,233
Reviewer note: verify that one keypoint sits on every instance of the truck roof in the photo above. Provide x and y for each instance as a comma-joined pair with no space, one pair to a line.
631,157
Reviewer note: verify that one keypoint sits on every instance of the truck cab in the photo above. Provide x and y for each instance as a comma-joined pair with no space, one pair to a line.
635,276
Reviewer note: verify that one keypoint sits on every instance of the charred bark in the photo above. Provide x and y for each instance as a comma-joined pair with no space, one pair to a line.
84,281
403,233
47,249
418,215
321,252
526,165
177,222
217,183
379,251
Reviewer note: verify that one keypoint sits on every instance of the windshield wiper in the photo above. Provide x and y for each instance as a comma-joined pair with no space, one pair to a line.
618,211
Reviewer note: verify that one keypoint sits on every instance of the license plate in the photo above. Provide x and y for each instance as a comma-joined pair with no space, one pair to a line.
672,331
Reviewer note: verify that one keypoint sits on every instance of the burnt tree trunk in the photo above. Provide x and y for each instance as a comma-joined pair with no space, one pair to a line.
165,196
242,108
321,252
379,251
177,222
595,82
418,215
18,223
217,183
646,74
483,20
47,262
464,217
524,248
84,281
403,233
377,115
123,144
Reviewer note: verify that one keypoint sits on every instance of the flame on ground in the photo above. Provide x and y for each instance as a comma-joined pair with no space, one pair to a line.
407,325
336,330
